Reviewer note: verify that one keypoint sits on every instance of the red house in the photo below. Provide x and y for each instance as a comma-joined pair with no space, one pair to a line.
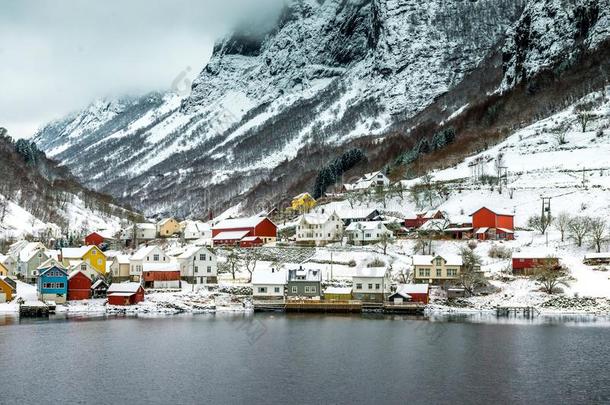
161,275
79,286
97,239
490,224
525,263
232,231
418,219
125,293
411,293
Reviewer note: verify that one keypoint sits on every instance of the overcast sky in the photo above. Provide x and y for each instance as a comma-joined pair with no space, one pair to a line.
56,56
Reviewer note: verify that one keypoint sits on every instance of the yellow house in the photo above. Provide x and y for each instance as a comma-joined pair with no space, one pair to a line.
168,227
438,270
6,290
3,270
303,202
89,254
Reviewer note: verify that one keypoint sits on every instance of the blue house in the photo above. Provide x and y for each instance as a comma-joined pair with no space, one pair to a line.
52,283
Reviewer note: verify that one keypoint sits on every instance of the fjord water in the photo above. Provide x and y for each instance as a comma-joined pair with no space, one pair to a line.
276,358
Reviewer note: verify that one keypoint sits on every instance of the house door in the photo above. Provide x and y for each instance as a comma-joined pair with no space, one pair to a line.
2,297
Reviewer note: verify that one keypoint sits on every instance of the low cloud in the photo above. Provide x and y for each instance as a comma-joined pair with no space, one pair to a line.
56,56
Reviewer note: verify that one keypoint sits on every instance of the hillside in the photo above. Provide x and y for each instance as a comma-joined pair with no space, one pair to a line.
268,110
40,199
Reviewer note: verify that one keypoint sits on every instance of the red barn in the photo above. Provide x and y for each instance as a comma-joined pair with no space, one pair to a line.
79,286
97,239
525,263
418,219
125,293
250,241
231,231
411,293
490,224
161,275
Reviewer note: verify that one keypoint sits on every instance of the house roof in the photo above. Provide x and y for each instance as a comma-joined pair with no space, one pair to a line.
50,263
142,252
98,283
190,251
104,233
161,267
497,211
305,194
413,288
55,266
251,239
122,259
231,235
267,277
247,222
365,226
75,253
165,221
602,255
338,290
542,253
315,218
434,225
121,294
376,272
146,225
426,260
28,251
126,287
302,274
75,272
351,213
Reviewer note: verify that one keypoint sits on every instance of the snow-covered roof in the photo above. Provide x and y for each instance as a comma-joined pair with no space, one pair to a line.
266,277
75,253
355,213
506,230
541,253
376,272
98,283
315,218
413,288
426,260
365,226
496,210
126,287
302,274
75,272
142,252
482,230
167,266
434,225
50,263
104,233
231,235
122,259
296,197
121,294
338,290
250,239
602,255
27,251
190,251
146,225
247,222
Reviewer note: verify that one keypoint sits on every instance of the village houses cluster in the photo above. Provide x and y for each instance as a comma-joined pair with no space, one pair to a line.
122,266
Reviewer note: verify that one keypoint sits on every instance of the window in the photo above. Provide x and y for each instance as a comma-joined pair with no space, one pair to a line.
358,286
439,261
294,289
370,286
94,252
156,258
424,272
313,289
276,289
307,289
377,286
99,262
210,257
262,290
209,269
196,269
451,272
83,267
202,257
439,272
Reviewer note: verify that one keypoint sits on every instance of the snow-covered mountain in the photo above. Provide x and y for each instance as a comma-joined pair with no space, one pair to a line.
270,108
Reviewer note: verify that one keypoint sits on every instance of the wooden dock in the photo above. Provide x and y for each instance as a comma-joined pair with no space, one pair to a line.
34,310
323,306
413,308
524,311
269,306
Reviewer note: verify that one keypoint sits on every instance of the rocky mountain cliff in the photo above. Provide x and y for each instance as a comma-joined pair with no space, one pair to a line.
270,108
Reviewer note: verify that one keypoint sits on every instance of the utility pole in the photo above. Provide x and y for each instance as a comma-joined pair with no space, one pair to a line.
545,215
502,176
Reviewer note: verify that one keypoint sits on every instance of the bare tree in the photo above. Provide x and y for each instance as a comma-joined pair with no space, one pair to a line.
562,221
249,259
598,232
384,241
232,261
540,223
551,276
578,228
584,115
423,245
3,207
470,276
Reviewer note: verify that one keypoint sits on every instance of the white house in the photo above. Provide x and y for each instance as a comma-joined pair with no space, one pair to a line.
193,230
371,284
146,254
146,231
319,228
269,284
369,180
83,266
361,233
198,265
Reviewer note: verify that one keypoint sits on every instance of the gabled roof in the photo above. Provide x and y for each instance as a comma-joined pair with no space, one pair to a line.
75,253
75,272
236,223
231,235
413,288
192,250
146,225
426,260
366,226
165,221
541,253
98,283
266,277
434,225
161,267
251,239
497,211
50,263
29,250
43,271
316,218
338,290
302,274
144,251
376,272
126,287
305,194
350,213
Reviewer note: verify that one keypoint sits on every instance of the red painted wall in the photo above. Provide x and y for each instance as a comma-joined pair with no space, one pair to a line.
485,218
161,275
248,244
505,221
79,287
527,264
423,298
266,228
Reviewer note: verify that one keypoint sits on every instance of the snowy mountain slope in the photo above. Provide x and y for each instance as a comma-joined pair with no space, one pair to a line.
327,73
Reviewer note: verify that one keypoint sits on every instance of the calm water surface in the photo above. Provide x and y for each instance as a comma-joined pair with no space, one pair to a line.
286,359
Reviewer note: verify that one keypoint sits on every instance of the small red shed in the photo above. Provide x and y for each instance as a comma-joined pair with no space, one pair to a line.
127,293
525,263
94,239
79,286
262,227
411,293
250,241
